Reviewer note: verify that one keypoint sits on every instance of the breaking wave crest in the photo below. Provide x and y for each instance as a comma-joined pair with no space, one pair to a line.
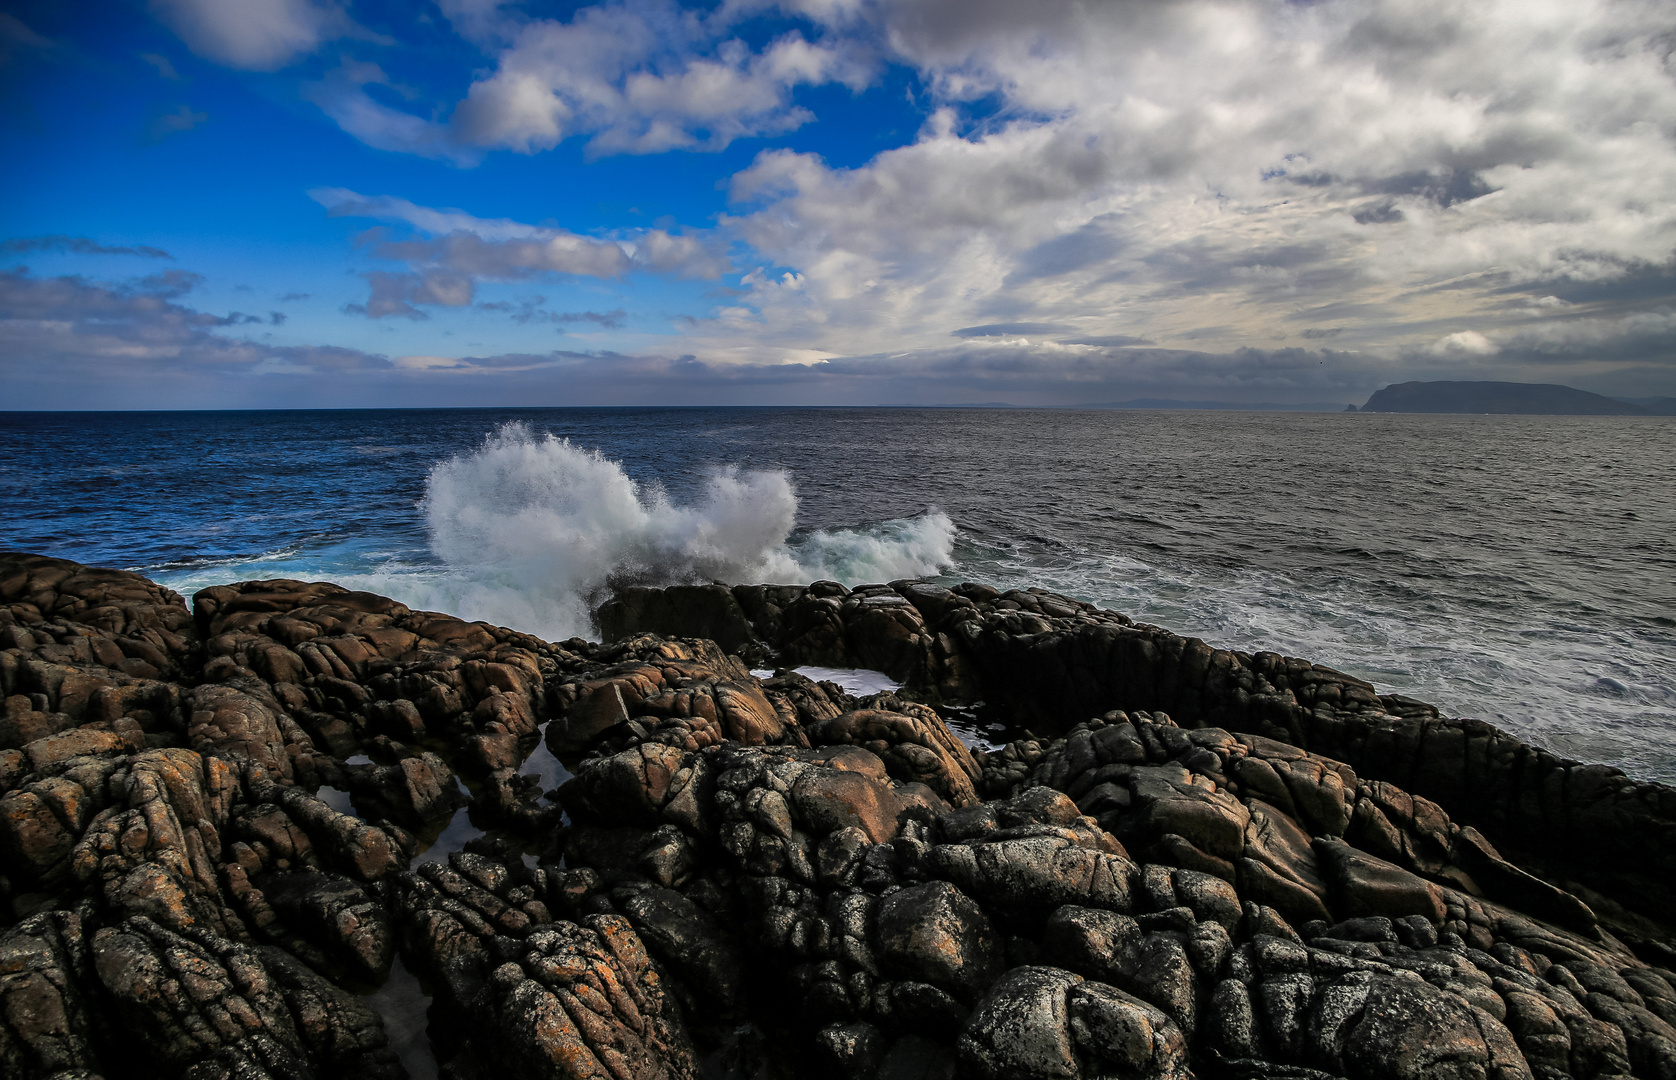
534,532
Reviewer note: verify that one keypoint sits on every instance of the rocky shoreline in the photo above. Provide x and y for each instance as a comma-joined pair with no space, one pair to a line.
222,827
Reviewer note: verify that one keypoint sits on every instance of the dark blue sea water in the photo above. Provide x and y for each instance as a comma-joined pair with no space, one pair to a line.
1519,569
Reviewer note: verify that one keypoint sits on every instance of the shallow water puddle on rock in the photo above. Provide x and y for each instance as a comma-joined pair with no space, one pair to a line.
543,763
858,681
453,837
403,1002
974,733
337,799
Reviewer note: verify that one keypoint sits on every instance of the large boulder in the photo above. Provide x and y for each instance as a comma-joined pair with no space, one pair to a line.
580,1002
701,611
935,933
1043,1023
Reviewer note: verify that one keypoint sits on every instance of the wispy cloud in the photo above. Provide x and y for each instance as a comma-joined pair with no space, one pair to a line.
78,245
165,67
180,118
457,249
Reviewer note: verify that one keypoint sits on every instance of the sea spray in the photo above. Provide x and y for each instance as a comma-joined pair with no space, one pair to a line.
534,532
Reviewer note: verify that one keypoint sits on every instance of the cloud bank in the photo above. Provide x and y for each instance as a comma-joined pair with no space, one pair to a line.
1096,191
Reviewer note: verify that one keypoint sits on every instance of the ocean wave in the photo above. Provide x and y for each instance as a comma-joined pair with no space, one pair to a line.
1598,689
533,532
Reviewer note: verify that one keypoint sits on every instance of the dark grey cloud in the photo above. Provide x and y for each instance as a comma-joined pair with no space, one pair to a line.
78,245
610,320
532,309
129,345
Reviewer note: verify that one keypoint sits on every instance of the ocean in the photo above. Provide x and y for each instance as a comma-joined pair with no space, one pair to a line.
1517,569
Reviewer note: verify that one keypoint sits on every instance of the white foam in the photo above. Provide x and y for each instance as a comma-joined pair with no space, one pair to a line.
534,532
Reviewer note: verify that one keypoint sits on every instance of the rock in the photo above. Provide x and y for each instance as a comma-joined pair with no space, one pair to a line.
580,1002
36,844
1020,1030
691,942
829,801
163,828
48,1024
1116,1033
703,611
1090,941
1031,876
187,999
1365,885
1210,898
914,1058
337,915
632,786
1169,799
915,744
233,723
851,1050
934,933
1404,1029
1514,886
1041,1022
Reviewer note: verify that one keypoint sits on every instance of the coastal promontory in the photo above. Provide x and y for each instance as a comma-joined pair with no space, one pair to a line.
1547,399
1067,846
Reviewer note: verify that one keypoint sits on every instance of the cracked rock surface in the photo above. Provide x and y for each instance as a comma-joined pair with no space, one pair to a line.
223,829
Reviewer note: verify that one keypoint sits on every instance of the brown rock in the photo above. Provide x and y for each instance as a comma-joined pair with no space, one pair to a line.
828,801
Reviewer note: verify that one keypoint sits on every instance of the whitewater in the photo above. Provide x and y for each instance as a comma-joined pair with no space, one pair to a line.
534,533
1517,569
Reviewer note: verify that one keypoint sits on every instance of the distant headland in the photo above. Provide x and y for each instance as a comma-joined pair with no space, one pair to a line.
1508,397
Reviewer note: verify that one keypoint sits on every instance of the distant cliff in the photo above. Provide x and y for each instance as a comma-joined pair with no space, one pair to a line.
1497,397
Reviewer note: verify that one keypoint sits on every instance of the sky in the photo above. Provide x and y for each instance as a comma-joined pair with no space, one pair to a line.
367,203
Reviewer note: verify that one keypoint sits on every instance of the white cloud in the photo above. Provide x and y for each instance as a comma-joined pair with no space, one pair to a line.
1215,175
642,78
1417,182
1465,343
257,35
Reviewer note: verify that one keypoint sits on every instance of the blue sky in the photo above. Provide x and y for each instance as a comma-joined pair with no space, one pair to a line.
311,203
